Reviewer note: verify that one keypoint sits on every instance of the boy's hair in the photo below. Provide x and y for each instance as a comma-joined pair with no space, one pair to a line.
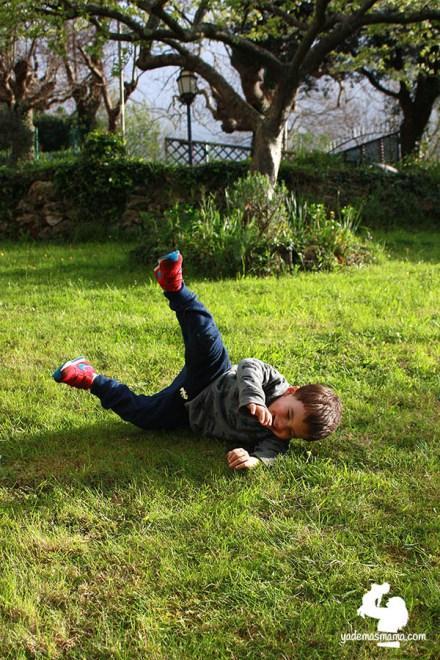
323,410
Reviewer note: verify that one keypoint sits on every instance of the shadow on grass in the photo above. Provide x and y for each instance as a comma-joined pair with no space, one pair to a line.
118,269
93,274
413,246
108,455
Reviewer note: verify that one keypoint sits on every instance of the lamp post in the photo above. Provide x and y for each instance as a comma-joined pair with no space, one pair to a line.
187,84
121,85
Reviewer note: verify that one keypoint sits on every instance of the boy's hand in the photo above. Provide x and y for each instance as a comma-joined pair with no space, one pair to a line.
263,415
239,459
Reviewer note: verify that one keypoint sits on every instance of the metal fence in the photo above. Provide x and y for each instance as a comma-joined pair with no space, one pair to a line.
176,151
385,149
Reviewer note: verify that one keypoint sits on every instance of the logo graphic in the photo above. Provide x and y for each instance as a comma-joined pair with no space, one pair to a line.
391,618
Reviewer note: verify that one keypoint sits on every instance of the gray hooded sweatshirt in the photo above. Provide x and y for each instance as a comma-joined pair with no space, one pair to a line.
220,409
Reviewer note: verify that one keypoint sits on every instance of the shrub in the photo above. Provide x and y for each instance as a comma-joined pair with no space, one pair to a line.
99,182
324,240
101,147
53,131
257,231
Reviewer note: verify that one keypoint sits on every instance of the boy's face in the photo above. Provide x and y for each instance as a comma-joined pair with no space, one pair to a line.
288,416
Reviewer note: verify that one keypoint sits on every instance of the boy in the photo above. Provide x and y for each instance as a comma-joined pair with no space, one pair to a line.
250,405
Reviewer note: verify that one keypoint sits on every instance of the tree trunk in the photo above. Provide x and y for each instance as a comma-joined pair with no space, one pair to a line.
266,152
113,118
410,134
416,113
87,97
86,119
22,137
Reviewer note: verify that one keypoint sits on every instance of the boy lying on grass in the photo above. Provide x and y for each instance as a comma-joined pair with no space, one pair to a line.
250,405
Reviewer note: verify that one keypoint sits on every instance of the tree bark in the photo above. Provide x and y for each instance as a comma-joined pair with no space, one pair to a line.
22,138
416,113
113,117
87,97
411,132
266,151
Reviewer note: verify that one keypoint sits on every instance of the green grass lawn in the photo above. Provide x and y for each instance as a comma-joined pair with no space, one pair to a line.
118,543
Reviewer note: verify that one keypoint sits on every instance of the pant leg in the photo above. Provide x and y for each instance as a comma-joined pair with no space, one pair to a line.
164,410
206,357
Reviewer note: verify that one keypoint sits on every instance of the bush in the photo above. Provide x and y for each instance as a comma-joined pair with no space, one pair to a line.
7,126
322,240
99,182
53,131
258,232
101,147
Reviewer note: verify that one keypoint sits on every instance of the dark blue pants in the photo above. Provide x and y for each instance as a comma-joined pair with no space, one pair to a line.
206,358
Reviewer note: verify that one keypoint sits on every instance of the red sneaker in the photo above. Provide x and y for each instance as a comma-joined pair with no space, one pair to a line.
76,373
168,272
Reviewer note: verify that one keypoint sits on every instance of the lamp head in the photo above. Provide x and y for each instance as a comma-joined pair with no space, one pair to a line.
187,84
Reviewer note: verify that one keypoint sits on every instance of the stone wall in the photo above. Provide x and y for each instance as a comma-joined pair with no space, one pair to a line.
42,214
31,205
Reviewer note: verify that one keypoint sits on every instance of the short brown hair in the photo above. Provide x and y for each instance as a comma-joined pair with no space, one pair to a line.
323,410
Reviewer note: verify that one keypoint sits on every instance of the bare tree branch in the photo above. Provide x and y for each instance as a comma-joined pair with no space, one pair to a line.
264,56
401,18
74,11
285,95
375,82
201,12
222,91
157,9
271,8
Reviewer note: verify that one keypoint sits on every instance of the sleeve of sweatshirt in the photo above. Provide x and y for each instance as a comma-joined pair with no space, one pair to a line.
252,377
268,449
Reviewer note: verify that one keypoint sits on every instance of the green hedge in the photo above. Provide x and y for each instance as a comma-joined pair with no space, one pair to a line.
98,188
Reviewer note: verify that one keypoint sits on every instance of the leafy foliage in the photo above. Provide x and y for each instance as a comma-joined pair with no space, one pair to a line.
101,180
98,191
142,133
53,131
273,47
258,233
101,148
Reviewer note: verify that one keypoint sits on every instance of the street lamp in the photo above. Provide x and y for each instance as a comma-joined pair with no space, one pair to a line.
187,84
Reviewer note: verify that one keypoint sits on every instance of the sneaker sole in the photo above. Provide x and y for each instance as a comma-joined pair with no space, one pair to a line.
171,256
57,375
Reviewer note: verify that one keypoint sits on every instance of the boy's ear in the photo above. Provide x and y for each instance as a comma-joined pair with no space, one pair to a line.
291,389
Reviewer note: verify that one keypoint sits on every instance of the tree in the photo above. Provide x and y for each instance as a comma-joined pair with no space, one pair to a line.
24,90
350,103
84,84
112,106
404,65
274,46
87,61
142,133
